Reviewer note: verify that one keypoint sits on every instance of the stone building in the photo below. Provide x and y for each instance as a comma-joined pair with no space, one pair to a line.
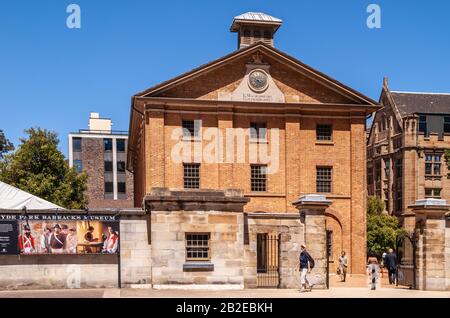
406,151
102,152
304,133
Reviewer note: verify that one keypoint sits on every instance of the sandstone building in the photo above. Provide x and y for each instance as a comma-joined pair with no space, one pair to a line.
214,221
102,152
406,150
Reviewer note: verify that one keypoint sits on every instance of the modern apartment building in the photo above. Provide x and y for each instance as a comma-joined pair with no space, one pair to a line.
102,152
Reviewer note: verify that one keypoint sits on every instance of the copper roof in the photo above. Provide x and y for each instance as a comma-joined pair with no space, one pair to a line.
255,17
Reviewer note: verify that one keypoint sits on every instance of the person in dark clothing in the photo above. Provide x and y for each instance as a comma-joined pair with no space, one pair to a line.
391,265
305,267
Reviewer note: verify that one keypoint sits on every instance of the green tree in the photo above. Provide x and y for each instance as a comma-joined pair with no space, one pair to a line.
39,168
5,144
382,229
447,159
374,205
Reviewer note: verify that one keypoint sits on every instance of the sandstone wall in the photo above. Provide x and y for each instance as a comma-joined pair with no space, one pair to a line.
168,236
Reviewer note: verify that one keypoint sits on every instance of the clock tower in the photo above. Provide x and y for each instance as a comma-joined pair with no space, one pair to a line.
254,27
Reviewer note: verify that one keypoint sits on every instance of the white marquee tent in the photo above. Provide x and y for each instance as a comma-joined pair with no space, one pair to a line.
12,198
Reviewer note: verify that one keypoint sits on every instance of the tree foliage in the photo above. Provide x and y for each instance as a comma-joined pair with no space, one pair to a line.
447,159
39,168
382,229
5,144
375,205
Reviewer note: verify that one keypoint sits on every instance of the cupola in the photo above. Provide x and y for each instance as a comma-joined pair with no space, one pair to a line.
254,27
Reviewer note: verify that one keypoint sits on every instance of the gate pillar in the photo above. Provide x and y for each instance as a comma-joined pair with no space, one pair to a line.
430,247
312,209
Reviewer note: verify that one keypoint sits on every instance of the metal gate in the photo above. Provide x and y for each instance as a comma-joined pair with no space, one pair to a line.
268,260
406,255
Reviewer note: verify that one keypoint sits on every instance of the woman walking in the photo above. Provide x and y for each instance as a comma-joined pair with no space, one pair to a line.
373,270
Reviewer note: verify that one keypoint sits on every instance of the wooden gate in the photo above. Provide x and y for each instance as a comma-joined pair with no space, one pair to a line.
268,259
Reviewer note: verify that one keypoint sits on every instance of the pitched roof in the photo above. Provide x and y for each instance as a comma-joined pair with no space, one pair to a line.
409,103
358,97
255,17
15,199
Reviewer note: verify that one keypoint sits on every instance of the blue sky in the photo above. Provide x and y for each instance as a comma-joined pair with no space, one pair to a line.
52,76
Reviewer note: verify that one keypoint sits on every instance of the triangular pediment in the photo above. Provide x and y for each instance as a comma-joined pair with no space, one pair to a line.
233,77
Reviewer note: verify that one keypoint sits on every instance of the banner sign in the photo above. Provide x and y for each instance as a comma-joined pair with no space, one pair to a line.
9,237
61,234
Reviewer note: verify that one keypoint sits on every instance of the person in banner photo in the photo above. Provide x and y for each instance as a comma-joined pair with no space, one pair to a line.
112,241
71,242
44,241
26,241
57,240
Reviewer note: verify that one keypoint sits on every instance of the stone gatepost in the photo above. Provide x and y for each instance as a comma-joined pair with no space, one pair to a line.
430,247
312,209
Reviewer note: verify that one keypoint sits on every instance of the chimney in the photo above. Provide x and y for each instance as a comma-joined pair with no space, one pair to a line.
97,124
253,27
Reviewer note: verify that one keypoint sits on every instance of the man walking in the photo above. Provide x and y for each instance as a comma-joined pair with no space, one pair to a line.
343,263
391,264
306,264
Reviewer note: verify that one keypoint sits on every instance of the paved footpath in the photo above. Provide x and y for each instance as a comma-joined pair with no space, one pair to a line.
355,287
334,292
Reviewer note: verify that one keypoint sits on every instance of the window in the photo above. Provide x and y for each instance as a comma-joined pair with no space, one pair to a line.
257,34
108,166
191,176
369,176
258,178
323,180
197,247
423,124
399,168
78,165
432,165
387,167
108,144
190,128
76,144
323,132
433,193
120,144
267,35
120,166
258,130
109,188
378,170
447,125
399,202
121,187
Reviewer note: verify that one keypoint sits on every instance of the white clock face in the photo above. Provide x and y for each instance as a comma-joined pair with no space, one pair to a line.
258,80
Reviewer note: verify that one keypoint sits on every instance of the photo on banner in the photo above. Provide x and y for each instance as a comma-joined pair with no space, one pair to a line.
67,235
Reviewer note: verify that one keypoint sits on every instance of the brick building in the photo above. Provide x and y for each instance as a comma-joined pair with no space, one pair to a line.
102,153
406,150
315,128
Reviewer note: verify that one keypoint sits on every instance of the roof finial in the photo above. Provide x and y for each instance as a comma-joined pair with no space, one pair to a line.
385,82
